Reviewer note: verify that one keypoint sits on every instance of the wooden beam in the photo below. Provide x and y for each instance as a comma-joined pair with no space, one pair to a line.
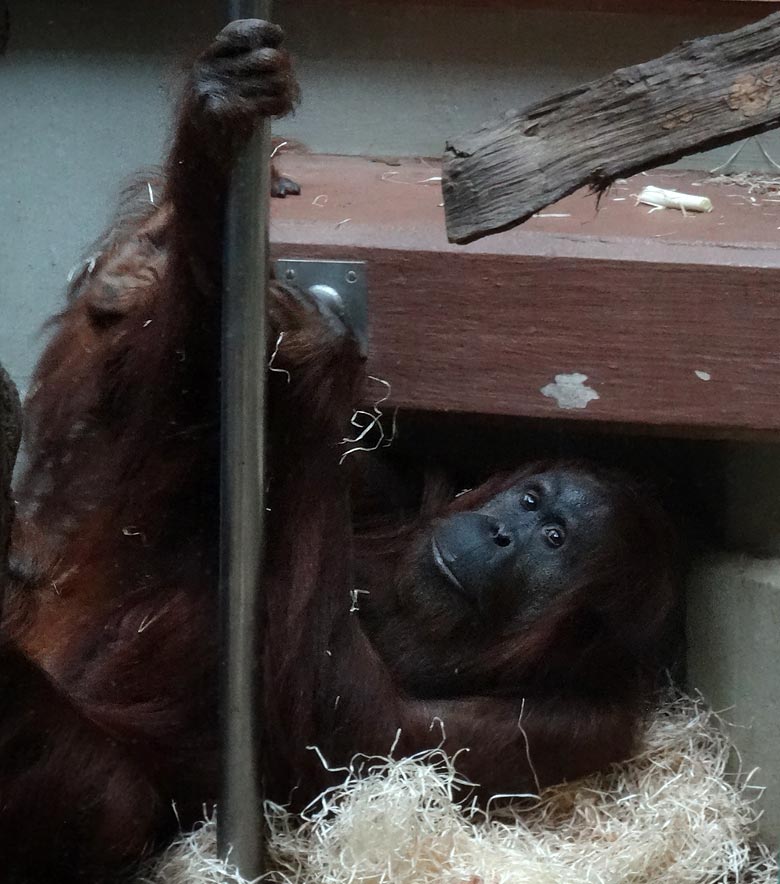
706,93
538,328
673,320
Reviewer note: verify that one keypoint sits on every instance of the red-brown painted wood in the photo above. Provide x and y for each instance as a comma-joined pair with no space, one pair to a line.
483,328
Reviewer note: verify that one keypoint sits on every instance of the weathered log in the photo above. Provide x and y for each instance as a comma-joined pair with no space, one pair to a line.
706,93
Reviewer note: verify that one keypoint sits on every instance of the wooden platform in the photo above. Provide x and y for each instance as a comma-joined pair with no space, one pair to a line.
674,321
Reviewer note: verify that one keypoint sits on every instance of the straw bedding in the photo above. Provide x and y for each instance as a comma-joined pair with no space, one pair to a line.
671,815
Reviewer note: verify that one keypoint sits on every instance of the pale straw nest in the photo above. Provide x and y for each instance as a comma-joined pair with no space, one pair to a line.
671,815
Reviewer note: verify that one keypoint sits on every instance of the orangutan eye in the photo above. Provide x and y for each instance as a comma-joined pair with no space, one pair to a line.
554,536
530,500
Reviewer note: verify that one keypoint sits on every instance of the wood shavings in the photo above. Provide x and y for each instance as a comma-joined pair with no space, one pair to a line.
320,200
754,182
147,622
730,160
373,419
528,757
272,358
764,152
392,178
766,155
280,146
671,815
354,595
86,266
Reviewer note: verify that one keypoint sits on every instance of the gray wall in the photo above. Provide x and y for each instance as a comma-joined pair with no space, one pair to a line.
84,97
85,91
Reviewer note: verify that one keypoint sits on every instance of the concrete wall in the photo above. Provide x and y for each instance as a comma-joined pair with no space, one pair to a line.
86,88
398,78
733,628
733,616
84,102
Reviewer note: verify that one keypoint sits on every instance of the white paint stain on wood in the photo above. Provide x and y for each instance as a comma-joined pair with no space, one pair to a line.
703,375
570,391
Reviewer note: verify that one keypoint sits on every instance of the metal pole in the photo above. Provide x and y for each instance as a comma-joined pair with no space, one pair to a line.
240,831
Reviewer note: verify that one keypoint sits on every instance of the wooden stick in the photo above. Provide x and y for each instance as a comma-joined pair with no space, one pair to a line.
706,93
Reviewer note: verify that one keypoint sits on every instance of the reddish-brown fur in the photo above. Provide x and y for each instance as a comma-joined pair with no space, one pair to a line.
107,669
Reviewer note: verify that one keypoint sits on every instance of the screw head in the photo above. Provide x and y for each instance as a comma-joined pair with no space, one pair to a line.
289,273
351,276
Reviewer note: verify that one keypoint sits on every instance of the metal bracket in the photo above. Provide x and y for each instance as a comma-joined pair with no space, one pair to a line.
342,282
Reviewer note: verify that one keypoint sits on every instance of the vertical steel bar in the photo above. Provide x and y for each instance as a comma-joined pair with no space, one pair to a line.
240,817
